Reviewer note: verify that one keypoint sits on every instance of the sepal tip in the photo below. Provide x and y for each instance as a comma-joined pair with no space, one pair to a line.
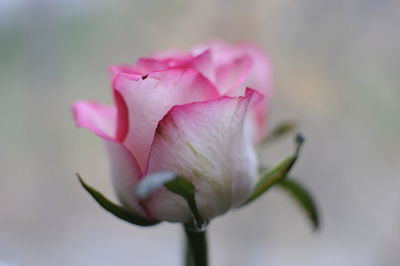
117,210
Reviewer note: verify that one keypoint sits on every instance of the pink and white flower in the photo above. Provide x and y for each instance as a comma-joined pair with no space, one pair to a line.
189,113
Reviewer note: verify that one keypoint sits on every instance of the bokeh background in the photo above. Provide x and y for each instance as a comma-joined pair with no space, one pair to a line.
336,73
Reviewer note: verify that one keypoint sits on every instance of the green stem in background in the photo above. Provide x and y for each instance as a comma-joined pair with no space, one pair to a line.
196,247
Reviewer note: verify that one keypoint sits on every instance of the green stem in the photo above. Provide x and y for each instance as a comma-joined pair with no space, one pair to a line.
196,247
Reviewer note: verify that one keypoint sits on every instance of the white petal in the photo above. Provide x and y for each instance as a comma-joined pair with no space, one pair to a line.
204,142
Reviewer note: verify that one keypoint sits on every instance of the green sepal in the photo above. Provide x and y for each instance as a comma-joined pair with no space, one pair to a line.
276,174
181,187
115,209
279,131
303,198
187,190
176,184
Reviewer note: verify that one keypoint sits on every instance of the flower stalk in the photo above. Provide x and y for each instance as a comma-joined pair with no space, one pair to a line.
196,247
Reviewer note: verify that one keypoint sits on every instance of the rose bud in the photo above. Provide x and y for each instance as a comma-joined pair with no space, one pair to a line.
188,113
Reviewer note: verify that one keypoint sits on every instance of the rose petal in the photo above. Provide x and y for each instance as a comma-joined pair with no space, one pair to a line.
100,119
122,117
127,69
206,143
260,79
124,169
147,65
201,62
231,76
151,96
126,174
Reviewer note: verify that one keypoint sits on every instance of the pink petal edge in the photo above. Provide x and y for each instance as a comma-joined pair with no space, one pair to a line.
98,118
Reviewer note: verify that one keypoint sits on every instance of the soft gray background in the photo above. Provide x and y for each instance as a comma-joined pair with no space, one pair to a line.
336,73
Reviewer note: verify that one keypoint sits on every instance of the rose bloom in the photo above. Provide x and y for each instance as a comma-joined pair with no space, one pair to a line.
197,113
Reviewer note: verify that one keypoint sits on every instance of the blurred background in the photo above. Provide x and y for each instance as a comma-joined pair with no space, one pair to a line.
336,73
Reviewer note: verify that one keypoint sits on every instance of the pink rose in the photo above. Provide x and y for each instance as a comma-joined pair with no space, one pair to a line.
189,113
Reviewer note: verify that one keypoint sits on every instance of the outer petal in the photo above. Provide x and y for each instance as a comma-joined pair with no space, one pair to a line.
98,118
125,175
206,143
261,79
124,169
150,97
